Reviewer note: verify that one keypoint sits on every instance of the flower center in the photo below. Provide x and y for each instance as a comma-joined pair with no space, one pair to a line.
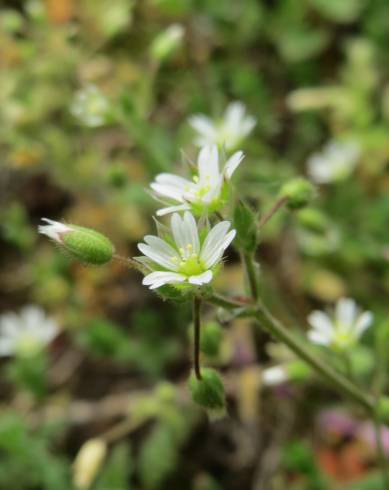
190,263
343,338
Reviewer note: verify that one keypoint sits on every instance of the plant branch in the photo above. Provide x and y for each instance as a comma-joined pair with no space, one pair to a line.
272,211
196,336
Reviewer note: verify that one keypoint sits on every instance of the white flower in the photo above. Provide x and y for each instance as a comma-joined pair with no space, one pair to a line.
27,332
188,260
275,375
206,192
341,330
336,162
233,127
90,106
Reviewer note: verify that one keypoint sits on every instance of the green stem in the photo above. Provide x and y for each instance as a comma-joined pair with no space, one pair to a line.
272,211
251,274
280,332
345,386
196,336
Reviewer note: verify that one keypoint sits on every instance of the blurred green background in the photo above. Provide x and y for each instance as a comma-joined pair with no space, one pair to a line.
93,104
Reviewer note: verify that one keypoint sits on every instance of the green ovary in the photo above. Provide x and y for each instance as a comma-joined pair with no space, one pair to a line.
191,266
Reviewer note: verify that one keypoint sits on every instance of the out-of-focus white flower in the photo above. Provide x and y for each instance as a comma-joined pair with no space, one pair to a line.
342,329
336,162
207,191
186,259
166,43
90,106
27,332
275,375
229,131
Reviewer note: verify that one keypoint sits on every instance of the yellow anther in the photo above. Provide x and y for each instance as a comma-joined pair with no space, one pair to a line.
189,246
195,179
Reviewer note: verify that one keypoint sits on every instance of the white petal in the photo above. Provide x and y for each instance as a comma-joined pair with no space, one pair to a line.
216,242
204,125
160,246
208,165
274,376
172,209
53,229
233,116
233,163
192,231
319,337
7,347
363,323
172,180
185,233
321,322
346,312
159,278
203,278
157,257
172,192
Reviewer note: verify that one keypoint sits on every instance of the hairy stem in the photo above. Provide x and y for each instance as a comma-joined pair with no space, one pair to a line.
196,336
251,274
272,211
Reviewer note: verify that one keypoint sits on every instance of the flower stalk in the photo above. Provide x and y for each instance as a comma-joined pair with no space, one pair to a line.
196,336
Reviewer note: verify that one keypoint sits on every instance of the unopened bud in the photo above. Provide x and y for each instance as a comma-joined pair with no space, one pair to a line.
84,244
167,42
88,462
313,219
298,191
209,390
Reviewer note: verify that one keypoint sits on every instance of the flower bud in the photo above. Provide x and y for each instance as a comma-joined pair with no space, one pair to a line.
211,337
208,391
84,244
88,462
298,191
383,409
167,42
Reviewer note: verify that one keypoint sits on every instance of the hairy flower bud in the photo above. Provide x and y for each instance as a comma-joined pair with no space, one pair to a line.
298,191
208,391
84,244
166,43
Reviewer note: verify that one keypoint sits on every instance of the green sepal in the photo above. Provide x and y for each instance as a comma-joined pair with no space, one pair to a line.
245,224
88,246
209,391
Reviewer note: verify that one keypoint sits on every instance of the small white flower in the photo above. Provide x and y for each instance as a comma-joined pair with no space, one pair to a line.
341,330
188,260
90,106
233,127
275,375
27,332
206,192
336,162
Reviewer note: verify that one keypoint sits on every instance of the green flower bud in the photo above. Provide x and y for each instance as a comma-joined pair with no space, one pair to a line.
383,409
298,191
208,391
167,42
211,337
84,244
